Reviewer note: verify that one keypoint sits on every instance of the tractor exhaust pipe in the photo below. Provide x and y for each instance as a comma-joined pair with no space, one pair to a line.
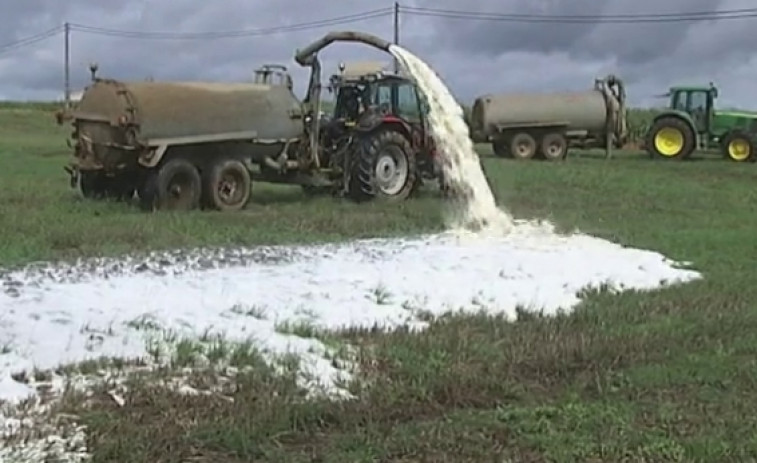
305,56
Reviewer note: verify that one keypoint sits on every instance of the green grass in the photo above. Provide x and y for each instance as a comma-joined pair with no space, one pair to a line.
664,376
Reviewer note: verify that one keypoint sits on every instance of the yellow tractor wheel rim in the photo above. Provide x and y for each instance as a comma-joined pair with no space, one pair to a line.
739,149
668,141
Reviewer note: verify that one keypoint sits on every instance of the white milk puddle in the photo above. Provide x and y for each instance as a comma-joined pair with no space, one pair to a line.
379,282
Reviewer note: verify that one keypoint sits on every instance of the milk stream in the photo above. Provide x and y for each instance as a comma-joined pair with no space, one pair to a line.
476,209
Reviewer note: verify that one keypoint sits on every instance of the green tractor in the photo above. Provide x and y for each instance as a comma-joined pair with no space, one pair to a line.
691,122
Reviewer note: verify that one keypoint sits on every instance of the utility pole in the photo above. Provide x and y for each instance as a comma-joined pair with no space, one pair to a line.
396,33
67,64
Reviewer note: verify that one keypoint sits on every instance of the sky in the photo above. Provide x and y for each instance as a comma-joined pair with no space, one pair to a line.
472,57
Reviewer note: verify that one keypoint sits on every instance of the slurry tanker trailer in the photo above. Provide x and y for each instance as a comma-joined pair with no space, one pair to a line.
546,125
184,145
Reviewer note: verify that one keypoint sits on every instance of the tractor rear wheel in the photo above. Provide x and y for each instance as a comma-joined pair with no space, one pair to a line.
226,185
523,146
553,146
176,186
383,167
670,138
738,146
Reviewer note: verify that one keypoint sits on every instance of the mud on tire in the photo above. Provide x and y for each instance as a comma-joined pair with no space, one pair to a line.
383,167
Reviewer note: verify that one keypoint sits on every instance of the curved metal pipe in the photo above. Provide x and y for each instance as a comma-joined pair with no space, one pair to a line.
308,57
304,57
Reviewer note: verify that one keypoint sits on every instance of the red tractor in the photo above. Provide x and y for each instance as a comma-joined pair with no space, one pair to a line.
380,118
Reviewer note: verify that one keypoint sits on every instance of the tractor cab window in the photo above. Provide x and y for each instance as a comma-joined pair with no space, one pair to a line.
350,102
382,100
679,101
698,101
407,102
698,105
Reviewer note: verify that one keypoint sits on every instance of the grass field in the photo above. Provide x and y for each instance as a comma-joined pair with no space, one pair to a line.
665,376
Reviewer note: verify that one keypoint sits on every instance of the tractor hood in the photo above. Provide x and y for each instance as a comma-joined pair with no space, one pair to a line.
736,113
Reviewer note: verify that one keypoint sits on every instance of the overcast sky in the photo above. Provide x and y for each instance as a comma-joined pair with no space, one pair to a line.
473,57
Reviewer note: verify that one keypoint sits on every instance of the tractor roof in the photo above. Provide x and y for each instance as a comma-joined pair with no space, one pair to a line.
364,71
689,88
357,69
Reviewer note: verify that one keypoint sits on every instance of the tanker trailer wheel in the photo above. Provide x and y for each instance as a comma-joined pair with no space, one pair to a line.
522,146
738,146
226,185
175,186
92,184
383,167
670,138
120,187
554,146
499,147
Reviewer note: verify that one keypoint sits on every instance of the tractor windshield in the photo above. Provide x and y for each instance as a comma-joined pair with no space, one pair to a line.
391,96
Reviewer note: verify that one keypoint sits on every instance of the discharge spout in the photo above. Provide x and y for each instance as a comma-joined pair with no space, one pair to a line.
305,56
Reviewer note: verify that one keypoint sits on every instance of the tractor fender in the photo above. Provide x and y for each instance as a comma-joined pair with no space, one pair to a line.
685,117
371,124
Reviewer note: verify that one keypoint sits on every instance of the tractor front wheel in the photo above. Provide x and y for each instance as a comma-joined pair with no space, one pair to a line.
670,138
383,167
738,147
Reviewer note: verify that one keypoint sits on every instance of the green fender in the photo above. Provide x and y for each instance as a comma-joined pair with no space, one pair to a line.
684,116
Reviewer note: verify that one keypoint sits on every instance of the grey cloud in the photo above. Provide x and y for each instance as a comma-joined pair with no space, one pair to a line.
473,57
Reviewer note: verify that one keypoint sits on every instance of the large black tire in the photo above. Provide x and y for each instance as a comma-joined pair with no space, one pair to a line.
175,186
227,185
92,184
96,185
553,146
670,138
499,147
738,146
523,146
383,167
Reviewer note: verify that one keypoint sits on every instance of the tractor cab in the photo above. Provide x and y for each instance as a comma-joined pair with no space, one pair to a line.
697,102
366,87
367,96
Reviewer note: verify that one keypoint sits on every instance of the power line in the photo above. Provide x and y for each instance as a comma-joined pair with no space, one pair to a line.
373,14
615,16
584,19
30,40
742,13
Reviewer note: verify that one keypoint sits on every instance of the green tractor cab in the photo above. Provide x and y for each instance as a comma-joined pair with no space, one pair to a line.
691,122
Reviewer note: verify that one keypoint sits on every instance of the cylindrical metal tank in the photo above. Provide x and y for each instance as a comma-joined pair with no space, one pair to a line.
164,110
584,110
